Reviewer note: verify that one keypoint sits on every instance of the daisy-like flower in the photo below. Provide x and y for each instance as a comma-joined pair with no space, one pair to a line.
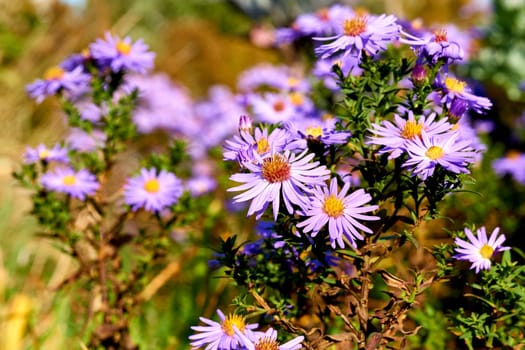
479,249
340,211
152,190
43,154
362,32
395,136
77,184
513,164
121,54
279,174
57,80
272,107
426,153
268,341
315,130
454,88
225,335
434,47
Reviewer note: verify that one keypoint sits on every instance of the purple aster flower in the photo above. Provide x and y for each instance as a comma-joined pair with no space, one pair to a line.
272,108
425,153
242,147
121,54
268,340
340,211
225,335
83,141
43,154
478,249
369,33
513,164
90,111
434,47
395,136
152,190
279,174
66,180
57,80
200,185
315,130
456,89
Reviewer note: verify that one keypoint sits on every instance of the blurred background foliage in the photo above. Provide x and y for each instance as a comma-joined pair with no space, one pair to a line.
200,43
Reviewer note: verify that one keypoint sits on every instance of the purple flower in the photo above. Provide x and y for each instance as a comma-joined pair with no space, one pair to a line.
340,211
479,250
152,190
426,153
454,89
279,174
200,185
57,80
513,164
43,154
369,33
83,141
395,136
273,107
434,47
121,54
66,180
225,335
242,147
315,130
268,340
90,111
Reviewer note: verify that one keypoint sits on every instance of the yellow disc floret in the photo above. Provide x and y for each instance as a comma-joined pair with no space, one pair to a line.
123,48
152,186
434,152
233,320
267,343
263,145
275,169
54,73
411,130
69,180
455,85
486,251
355,26
333,206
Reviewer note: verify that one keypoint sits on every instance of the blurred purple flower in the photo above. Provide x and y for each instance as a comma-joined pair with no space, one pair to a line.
57,80
43,154
512,164
453,89
83,141
315,130
66,180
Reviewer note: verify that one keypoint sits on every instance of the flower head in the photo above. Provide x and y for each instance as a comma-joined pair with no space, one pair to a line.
426,153
361,32
454,88
279,174
121,54
152,190
479,249
43,154
340,211
57,80
223,335
77,184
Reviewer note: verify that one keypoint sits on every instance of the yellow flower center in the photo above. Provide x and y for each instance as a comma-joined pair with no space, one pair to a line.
262,145
296,98
152,186
411,130
43,154
69,180
434,152
267,343
455,127
314,131
440,35
293,81
486,251
455,85
230,321
275,169
123,48
333,206
278,106
54,73
355,26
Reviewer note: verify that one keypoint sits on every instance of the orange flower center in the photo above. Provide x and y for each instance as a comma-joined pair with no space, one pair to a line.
355,26
513,154
275,169
233,320
434,152
152,186
296,98
455,85
486,251
267,343
123,48
69,180
54,73
333,206
278,106
411,130
323,14
440,35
